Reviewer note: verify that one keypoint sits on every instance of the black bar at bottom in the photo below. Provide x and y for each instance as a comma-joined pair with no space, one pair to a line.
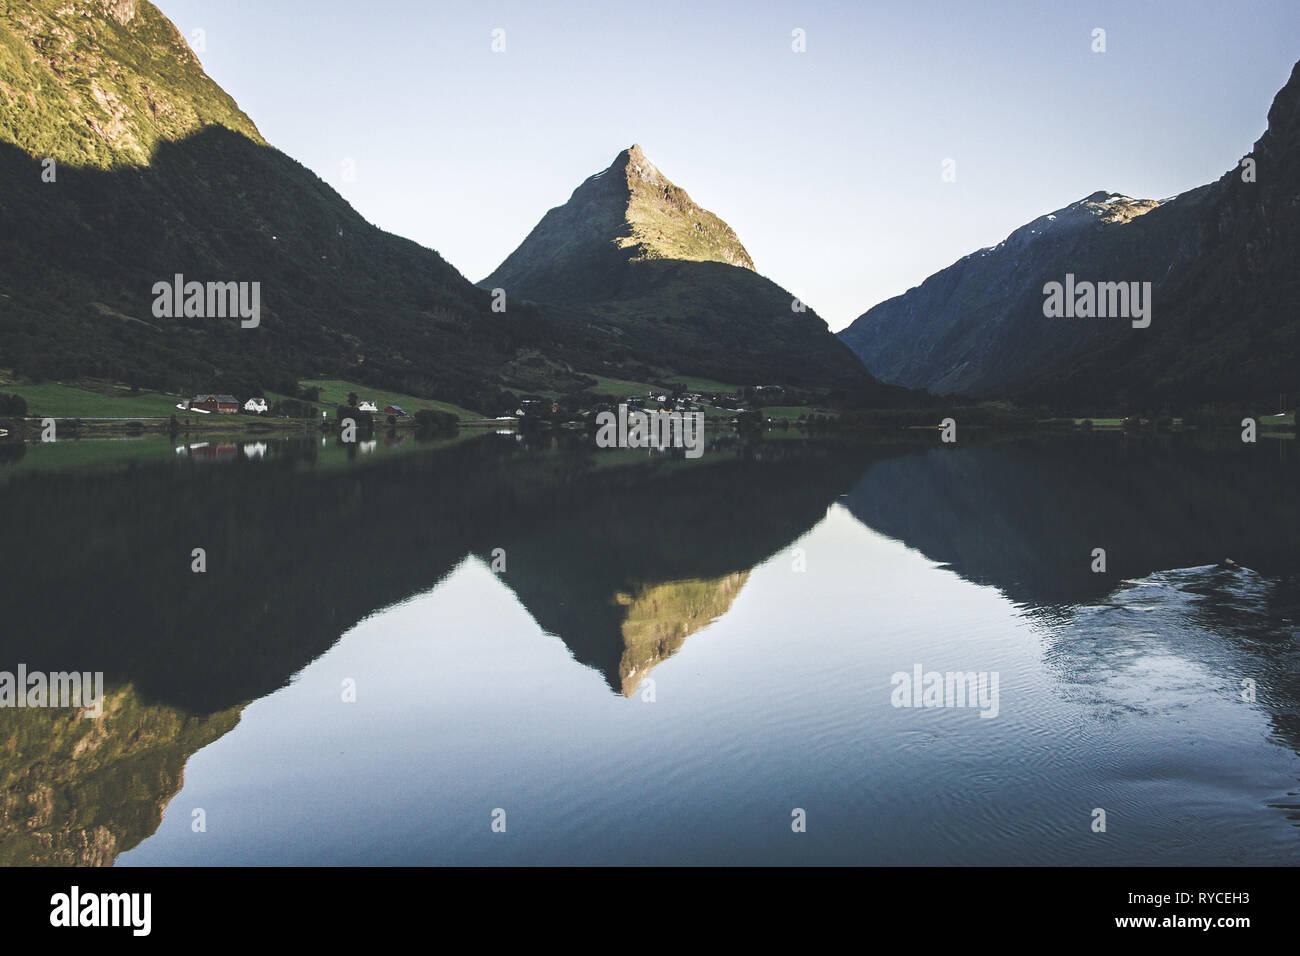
372,904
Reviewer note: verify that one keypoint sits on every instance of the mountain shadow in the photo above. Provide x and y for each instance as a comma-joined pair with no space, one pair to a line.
79,258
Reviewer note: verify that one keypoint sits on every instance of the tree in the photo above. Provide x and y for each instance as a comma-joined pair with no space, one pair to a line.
14,405
429,421
352,399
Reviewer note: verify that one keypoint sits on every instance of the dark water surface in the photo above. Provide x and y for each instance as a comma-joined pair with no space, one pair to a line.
676,656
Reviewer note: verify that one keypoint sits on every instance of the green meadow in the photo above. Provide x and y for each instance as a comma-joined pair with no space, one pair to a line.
91,400
335,392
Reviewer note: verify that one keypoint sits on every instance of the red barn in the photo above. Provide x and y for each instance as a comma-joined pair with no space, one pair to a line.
220,404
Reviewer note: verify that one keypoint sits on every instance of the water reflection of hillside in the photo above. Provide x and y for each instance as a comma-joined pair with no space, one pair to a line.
622,557
77,792
1025,516
624,566
660,617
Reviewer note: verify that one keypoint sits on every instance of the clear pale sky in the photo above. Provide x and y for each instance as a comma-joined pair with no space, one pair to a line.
827,163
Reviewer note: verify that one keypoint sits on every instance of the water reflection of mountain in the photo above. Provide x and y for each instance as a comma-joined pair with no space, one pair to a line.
77,792
1025,516
661,616
295,558
626,563
622,555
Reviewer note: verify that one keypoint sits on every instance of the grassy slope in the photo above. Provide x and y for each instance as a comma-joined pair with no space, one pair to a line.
667,224
107,401
606,385
335,392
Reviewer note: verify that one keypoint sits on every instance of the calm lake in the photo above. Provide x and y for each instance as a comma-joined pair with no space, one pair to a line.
399,650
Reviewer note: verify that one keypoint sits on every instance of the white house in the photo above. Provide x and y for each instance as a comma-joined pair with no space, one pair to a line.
255,405
367,406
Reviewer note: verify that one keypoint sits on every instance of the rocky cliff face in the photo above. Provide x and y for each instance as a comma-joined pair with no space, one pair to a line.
1225,301
102,82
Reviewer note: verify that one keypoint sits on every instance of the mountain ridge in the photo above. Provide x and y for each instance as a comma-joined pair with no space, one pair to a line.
1220,258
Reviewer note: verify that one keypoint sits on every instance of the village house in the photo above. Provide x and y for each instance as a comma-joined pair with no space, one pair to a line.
366,405
255,406
397,411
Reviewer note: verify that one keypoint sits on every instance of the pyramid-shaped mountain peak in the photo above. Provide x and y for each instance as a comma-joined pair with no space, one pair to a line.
629,211
631,256
634,161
